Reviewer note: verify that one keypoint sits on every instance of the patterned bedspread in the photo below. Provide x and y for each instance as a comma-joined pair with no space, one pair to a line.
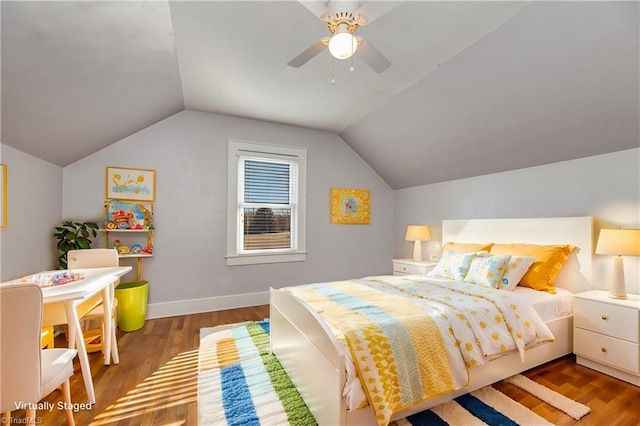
412,339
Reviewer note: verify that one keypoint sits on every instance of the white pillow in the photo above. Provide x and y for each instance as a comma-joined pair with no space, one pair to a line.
453,265
516,268
487,271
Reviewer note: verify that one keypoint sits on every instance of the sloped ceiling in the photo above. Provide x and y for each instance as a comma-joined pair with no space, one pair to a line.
78,76
556,82
475,87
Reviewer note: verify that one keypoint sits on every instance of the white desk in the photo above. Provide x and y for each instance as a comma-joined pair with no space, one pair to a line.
60,307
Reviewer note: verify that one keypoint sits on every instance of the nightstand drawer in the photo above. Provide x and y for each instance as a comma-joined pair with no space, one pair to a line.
607,350
606,319
403,268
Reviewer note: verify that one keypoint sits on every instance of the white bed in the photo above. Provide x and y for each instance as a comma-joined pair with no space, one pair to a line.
316,363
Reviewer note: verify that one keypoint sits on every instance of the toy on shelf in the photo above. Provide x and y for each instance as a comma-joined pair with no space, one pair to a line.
121,249
121,219
148,216
136,249
128,215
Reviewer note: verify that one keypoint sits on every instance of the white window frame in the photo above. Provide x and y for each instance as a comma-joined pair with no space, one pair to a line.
235,255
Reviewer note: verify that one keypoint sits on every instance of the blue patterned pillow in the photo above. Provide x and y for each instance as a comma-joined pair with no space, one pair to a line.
487,271
453,265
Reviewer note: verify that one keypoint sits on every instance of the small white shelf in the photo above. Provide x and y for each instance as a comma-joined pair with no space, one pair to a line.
138,256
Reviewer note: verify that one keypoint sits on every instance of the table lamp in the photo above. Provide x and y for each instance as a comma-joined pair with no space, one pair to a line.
417,233
619,242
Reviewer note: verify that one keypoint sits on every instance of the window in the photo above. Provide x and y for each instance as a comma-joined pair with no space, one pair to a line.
266,203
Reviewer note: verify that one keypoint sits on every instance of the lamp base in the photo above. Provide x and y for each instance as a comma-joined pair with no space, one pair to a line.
617,288
417,251
617,296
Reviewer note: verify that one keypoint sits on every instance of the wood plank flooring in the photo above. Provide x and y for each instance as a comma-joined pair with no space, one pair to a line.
155,382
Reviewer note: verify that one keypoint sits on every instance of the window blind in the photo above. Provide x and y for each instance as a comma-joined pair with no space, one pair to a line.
267,210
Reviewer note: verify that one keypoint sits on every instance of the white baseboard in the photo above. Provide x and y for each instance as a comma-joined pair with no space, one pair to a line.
210,304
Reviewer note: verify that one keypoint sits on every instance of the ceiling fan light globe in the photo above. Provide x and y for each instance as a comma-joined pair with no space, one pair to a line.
343,45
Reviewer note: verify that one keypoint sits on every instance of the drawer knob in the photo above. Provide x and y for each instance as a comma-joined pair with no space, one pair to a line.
404,269
604,318
603,349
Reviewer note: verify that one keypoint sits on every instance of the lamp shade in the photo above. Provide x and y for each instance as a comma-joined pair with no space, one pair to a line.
418,233
621,242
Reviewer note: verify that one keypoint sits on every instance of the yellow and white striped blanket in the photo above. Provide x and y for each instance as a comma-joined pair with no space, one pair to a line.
411,340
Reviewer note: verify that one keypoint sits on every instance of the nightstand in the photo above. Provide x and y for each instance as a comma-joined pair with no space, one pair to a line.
606,334
411,267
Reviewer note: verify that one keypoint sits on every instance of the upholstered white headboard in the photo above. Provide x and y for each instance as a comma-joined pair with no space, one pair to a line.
575,275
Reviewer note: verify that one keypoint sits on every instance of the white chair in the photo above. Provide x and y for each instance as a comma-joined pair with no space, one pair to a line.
94,308
27,372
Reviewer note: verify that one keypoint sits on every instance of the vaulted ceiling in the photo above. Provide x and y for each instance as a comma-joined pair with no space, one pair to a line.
474,87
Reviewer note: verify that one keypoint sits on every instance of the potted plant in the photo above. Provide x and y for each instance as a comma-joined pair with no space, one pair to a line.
73,236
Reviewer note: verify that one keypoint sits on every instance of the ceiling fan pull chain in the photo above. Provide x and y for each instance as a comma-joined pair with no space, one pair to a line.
352,52
333,75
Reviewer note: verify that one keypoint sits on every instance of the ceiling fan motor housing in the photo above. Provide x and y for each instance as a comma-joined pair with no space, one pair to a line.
344,21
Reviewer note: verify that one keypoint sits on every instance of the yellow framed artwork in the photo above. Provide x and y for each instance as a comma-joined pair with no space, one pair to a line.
3,195
131,184
350,206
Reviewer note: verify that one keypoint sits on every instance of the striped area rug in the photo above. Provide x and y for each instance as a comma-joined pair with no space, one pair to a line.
486,406
241,383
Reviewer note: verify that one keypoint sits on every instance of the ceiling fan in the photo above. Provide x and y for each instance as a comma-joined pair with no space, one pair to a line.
342,23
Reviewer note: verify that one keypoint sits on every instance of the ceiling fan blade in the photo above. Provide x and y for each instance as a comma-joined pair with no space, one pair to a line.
372,10
373,57
305,56
318,8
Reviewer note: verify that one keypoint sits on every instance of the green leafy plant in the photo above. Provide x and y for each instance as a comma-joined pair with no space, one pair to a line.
73,236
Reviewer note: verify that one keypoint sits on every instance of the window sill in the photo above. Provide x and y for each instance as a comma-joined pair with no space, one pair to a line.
256,259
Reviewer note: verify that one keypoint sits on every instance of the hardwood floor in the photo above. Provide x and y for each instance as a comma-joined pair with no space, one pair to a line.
155,382
612,401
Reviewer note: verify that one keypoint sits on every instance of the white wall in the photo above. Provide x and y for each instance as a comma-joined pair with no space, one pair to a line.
606,187
189,153
34,205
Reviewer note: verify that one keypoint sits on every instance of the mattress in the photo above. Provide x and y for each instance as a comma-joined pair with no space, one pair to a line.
548,306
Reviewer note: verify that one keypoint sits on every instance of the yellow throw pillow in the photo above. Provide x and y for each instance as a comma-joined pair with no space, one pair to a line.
544,270
466,247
